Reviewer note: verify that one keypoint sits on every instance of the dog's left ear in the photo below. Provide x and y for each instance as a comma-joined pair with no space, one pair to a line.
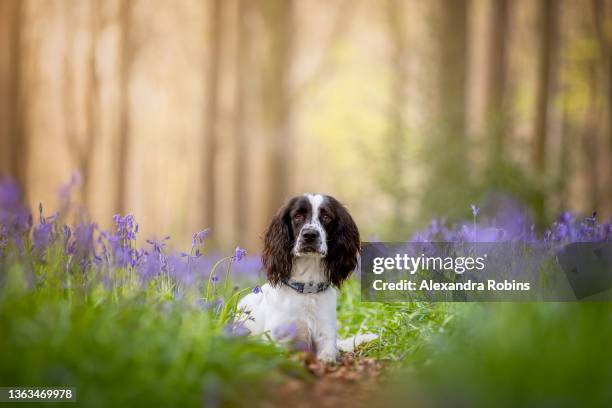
343,245
276,257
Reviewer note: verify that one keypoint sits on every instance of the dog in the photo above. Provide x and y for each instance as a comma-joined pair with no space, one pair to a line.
311,247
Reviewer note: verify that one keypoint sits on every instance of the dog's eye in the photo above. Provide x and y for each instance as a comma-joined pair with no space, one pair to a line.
325,218
298,217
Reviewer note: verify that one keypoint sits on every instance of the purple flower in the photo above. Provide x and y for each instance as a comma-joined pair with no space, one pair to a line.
15,218
475,210
126,227
203,304
42,237
149,268
215,279
67,233
10,194
83,239
65,190
607,232
566,217
158,246
119,247
199,237
180,270
285,331
257,289
236,329
239,253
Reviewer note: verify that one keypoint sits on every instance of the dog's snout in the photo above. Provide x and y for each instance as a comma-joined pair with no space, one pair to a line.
310,235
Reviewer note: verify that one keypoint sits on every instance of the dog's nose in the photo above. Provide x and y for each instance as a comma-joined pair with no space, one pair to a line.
310,235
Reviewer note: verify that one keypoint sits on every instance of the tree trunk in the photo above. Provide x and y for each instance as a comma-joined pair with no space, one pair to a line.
92,103
4,84
564,160
602,13
125,65
590,136
396,139
68,103
242,71
80,143
496,79
278,16
17,137
547,39
453,48
211,113
447,141
546,28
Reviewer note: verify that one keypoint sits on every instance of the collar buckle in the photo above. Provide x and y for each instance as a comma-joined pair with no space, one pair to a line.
310,287
307,287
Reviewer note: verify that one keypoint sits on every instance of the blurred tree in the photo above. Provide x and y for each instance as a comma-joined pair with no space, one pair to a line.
590,135
446,156
243,47
496,114
81,144
5,27
276,103
453,49
68,103
325,66
92,100
547,37
594,71
602,12
14,136
126,57
395,144
565,164
211,112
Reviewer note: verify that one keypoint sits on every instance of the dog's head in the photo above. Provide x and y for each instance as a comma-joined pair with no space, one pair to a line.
311,225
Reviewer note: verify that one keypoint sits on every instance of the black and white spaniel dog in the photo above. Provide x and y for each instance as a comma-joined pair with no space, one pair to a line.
311,246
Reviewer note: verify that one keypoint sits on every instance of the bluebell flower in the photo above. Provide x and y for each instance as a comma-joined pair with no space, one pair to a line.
199,237
285,331
42,236
475,210
565,217
239,253
236,329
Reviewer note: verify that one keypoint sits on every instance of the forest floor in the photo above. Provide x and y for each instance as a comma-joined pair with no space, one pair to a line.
129,327
350,382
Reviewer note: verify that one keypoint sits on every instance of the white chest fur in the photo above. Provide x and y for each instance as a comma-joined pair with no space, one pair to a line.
310,317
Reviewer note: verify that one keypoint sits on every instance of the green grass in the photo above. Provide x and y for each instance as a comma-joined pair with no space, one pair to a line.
120,343
546,354
402,327
125,345
488,354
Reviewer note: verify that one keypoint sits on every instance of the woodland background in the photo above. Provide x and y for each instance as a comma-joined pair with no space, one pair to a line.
196,113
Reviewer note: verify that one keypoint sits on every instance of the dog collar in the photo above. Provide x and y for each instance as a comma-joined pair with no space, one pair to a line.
307,287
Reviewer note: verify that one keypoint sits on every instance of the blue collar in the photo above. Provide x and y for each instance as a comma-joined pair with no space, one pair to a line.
307,287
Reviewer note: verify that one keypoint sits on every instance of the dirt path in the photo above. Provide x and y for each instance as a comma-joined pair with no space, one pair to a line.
351,382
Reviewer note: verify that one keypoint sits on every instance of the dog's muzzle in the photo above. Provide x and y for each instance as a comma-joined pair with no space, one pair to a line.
310,242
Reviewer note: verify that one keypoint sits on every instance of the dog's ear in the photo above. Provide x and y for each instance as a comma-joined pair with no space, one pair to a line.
277,257
343,246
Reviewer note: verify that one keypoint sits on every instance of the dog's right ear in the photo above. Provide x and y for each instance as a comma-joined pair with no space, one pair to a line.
277,257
